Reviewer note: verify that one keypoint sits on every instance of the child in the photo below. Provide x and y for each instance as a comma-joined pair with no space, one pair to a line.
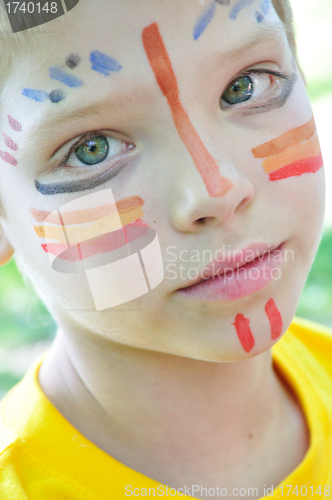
172,264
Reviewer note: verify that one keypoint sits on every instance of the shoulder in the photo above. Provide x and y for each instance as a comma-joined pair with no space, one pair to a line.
307,346
314,337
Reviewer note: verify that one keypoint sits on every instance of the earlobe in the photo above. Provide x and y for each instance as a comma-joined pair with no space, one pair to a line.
6,250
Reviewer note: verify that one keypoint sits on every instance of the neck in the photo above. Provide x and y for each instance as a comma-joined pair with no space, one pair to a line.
147,397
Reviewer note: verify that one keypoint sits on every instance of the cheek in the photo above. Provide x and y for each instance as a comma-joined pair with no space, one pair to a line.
105,246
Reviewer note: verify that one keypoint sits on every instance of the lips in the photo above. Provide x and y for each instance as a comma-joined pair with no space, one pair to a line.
239,274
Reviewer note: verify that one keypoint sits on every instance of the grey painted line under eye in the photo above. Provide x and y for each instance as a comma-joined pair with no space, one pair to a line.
76,186
279,101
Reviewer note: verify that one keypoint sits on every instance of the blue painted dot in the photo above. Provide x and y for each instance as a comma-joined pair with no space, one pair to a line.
259,17
56,95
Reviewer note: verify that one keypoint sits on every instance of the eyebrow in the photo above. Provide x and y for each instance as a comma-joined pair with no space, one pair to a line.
267,34
270,34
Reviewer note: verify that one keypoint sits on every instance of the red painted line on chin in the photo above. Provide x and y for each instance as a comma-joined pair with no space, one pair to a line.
244,333
275,319
306,166
8,158
161,66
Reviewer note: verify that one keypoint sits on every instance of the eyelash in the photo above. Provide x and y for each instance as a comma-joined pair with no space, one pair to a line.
248,104
75,171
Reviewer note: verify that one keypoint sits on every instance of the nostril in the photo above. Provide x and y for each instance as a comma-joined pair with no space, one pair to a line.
244,203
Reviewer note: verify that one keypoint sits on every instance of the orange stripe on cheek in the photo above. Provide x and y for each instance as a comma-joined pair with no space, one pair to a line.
162,68
286,140
81,232
305,150
90,214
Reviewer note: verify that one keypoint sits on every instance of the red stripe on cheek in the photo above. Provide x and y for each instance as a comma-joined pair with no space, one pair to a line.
244,333
306,166
275,319
162,68
8,158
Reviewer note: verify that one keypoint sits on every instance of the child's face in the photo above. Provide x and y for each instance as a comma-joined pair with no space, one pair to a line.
178,158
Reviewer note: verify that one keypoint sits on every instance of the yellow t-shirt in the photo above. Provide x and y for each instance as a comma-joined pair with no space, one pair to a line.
43,457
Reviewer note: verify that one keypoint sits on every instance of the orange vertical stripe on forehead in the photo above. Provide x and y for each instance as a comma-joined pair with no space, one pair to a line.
306,149
286,140
162,68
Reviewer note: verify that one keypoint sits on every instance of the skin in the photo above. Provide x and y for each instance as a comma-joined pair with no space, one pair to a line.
165,376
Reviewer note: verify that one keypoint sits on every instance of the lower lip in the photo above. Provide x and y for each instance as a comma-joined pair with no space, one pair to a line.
239,282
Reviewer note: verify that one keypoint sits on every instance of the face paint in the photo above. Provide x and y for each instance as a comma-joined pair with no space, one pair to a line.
275,319
160,63
259,17
97,246
8,158
286,140
205,19
294,153
36,95
82,225
77,186
265,7
56,95
244,333
9,143
241,4
14,124
306,149
127,209
103,64
57,73
120,263
73,60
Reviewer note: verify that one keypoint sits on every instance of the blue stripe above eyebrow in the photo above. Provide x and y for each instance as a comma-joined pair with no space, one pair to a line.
238,7
265,6
205,19
57,73
36,95
103,63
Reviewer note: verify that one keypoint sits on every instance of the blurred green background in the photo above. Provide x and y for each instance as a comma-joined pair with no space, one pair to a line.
26,328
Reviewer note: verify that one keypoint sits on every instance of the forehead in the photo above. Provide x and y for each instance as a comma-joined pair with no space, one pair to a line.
203,38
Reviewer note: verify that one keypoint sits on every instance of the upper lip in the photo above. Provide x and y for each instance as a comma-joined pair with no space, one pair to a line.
238,258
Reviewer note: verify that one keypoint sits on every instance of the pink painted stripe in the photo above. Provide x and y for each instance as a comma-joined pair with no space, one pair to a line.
244,333
15,125
9,143
306,166
8,158
107,243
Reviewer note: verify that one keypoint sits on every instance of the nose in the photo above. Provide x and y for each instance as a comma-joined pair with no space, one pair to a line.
192,207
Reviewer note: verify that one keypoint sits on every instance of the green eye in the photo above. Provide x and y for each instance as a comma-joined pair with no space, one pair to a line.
93,150
239,90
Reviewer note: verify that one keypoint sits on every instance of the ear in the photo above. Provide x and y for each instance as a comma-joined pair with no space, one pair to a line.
6,250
